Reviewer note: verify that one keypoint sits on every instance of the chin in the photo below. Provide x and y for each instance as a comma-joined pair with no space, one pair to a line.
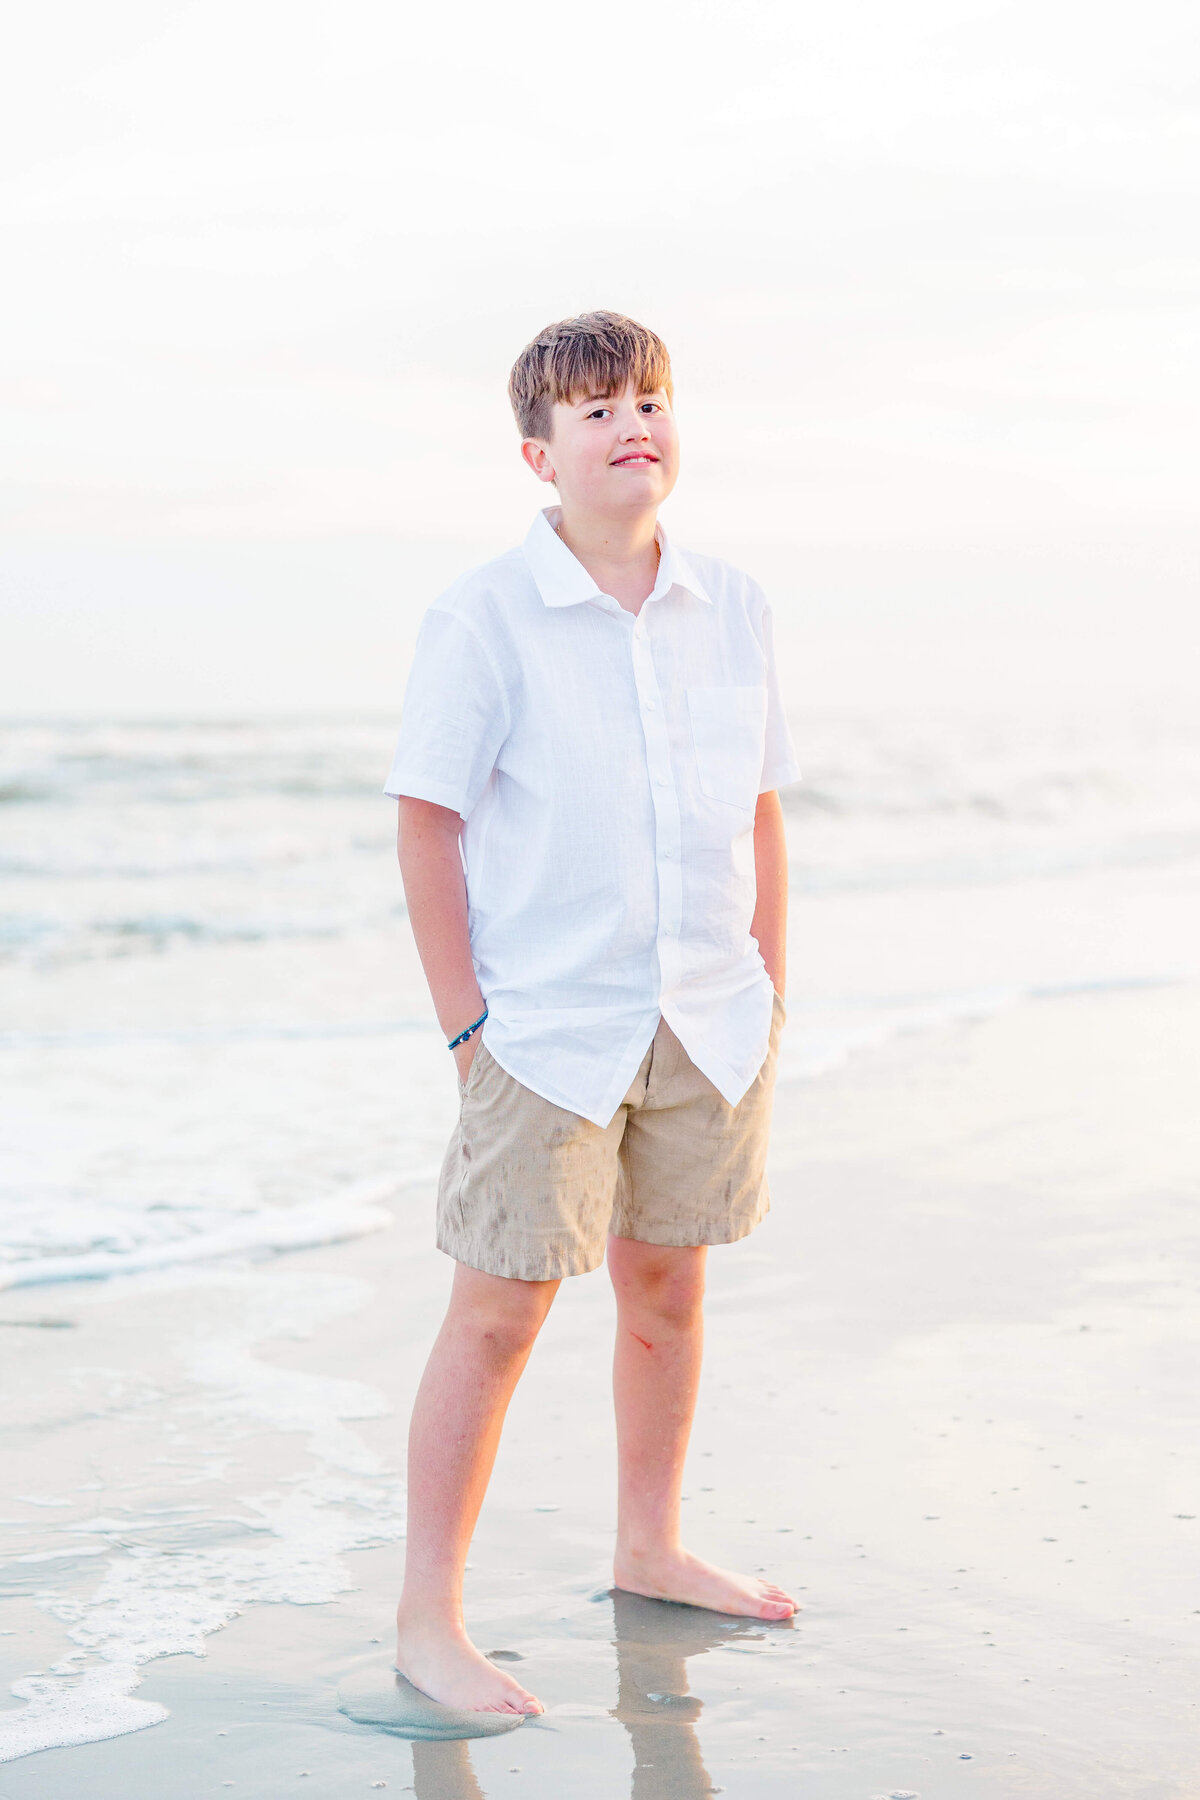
646,485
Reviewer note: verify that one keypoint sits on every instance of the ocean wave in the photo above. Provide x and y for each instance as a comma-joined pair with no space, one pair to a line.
1047,795
934,864
281,1032
59,941
69,763
57,861
160,928
1038,769
353,1212
823,1039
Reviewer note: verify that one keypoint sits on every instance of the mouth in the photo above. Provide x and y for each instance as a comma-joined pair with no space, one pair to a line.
639,459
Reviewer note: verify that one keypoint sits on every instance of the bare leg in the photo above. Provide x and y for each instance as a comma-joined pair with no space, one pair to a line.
484,1344
656,1374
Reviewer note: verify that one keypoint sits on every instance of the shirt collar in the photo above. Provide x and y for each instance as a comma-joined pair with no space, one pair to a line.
562,579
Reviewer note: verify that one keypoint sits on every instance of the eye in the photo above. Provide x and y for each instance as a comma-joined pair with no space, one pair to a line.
597,412
649,406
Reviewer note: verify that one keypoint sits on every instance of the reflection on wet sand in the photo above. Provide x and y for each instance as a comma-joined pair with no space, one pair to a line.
443,1771
653,1640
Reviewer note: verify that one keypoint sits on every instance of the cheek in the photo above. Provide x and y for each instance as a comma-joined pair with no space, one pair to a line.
583,468
593,462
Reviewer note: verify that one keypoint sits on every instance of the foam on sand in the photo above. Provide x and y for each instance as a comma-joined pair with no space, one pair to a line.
380,1696
176,1573
92,1704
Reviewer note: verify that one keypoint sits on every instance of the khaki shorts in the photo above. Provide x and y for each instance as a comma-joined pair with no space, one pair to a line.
530,1190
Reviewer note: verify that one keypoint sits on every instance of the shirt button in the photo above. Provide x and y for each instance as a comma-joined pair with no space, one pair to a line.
649,705
666,856
662,781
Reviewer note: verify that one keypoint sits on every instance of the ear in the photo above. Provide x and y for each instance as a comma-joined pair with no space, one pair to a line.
537,455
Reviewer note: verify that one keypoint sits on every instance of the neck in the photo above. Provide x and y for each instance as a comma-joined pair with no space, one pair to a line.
621,555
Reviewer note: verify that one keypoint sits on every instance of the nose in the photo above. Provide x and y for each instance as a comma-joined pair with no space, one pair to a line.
634,426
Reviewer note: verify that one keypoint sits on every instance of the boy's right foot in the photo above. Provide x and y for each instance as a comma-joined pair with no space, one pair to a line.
449,1669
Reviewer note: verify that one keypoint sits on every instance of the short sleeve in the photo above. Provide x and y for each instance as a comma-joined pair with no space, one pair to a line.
779,754
453,720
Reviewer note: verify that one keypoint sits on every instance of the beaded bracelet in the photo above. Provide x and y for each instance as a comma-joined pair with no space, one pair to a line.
471,1029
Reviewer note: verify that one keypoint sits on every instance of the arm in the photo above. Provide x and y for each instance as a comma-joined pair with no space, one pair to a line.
436,891
769,924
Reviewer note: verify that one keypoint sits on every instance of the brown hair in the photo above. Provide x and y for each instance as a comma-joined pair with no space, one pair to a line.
597,353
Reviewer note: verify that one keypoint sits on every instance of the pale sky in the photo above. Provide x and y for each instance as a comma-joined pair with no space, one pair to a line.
929,274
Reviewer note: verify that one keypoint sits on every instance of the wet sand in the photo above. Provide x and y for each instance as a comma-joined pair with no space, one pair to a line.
950,1397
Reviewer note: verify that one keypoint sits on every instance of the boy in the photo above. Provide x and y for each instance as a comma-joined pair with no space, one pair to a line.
593,857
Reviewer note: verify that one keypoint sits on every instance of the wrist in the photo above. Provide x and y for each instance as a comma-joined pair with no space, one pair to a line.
464,1036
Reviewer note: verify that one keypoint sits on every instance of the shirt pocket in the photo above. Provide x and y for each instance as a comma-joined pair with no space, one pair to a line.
729,727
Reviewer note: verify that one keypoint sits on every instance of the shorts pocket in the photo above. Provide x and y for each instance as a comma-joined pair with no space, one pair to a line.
729,727
464,1087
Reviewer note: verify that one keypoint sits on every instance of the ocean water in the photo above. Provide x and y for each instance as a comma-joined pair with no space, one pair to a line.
217,1047
207,978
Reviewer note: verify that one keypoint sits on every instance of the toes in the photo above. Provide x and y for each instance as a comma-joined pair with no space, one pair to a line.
521,1705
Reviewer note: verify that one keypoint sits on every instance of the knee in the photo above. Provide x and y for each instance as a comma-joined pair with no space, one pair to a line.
509,1337
495,1317
505,1333
671,1295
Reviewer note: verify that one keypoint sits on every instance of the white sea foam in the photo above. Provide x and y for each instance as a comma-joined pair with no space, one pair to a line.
827,1040
821,1040
165,1597
81,1708
352,1213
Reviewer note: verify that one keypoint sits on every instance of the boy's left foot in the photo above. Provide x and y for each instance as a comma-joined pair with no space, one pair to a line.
678,1575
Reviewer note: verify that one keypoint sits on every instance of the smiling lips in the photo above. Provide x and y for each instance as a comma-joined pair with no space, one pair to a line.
623,462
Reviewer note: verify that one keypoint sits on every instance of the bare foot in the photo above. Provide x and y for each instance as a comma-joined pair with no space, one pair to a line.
445,1664
678,1575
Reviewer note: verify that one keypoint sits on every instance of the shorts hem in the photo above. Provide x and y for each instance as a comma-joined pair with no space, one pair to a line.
728,1231
515,1267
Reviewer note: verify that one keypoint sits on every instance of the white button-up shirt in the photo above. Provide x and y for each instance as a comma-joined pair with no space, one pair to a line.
607,768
